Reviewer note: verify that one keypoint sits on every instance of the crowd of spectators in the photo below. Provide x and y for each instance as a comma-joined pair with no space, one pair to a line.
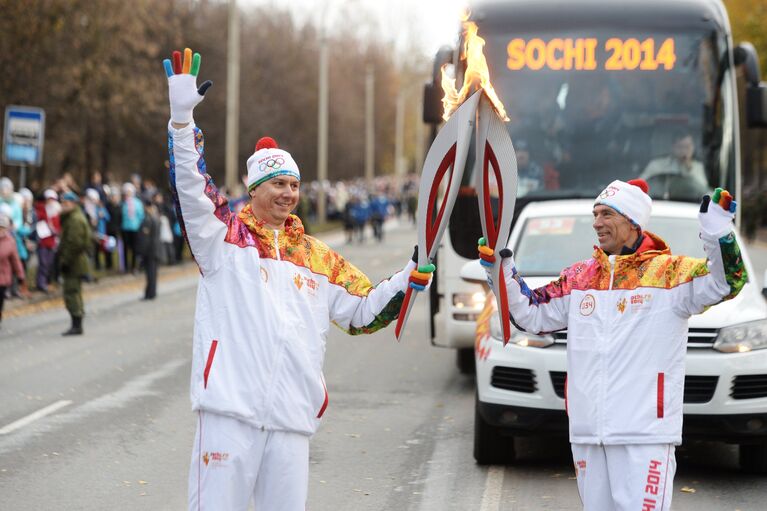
117,214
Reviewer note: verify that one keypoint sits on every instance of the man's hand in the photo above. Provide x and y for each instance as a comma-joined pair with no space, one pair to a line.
486,254
716,213
182,86
487,258
421,276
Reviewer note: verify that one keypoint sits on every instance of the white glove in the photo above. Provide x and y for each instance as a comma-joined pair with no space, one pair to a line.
183,92
716,214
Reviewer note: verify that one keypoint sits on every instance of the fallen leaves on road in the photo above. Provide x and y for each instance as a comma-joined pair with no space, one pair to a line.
687,489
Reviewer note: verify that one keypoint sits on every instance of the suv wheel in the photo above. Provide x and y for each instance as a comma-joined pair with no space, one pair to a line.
753,458
464,360
491,446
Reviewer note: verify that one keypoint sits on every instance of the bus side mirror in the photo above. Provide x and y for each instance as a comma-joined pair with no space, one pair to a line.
756,90
764,284
432,103
432,91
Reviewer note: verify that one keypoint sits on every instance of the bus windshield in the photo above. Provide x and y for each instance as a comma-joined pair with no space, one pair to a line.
597,105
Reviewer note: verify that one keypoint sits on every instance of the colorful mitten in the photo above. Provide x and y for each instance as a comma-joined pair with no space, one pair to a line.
421,276
716,213
182,85
486,255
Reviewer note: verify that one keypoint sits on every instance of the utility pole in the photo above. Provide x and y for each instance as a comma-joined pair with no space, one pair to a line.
369,125
418,129
322,129
232,98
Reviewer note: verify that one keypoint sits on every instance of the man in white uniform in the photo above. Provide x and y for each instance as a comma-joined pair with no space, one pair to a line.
267,295
626,312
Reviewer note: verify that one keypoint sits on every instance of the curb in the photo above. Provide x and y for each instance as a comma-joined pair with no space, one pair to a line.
105,286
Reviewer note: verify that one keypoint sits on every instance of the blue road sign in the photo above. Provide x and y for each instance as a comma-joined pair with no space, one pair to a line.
23,135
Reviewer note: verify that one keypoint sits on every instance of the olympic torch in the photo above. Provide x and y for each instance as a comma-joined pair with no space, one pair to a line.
475,107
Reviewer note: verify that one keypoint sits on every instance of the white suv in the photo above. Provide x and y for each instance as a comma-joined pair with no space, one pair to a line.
520,387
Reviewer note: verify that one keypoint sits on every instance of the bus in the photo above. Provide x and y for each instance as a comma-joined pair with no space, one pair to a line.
597,91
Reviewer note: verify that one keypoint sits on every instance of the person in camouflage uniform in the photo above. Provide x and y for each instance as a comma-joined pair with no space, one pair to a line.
73,258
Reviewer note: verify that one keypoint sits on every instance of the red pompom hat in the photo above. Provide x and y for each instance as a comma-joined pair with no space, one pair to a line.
630,199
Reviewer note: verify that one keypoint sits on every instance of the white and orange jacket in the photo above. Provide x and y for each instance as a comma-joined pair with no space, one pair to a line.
626,319
265,302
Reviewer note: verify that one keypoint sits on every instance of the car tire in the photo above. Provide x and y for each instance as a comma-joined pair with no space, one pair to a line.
753,458
464,360
491,446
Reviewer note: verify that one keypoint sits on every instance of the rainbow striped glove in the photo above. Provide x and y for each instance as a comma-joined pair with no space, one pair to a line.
716,213
487,259
182,85
421,276
486,254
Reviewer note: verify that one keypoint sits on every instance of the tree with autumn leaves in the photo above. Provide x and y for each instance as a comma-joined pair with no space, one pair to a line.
95,67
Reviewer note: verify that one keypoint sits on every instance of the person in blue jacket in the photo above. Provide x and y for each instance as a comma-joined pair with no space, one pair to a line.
132,217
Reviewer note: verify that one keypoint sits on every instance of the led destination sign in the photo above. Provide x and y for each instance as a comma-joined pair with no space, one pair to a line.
590,54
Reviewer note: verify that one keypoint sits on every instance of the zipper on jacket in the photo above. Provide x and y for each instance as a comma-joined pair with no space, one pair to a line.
611,259
603,363
277,243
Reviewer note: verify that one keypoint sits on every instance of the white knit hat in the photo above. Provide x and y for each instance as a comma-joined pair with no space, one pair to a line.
270,161
630,199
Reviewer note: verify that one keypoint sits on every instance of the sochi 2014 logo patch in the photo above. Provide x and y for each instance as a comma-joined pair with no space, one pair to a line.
302,280
588,304
214,459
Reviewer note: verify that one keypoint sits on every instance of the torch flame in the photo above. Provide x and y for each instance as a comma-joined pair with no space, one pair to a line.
476,76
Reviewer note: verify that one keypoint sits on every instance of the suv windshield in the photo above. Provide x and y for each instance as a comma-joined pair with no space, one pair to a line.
549,244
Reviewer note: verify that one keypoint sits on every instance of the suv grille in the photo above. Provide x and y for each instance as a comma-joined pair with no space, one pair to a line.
513,378
697,389
749,386
696,337
558,381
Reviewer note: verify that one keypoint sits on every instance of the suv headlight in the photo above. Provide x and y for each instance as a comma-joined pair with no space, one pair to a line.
742,338
518,337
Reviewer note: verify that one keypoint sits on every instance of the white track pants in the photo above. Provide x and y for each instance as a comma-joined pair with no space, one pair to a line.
625,477
234,462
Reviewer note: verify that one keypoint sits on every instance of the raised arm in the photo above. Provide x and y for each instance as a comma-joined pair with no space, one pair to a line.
203,213
722,274
535,310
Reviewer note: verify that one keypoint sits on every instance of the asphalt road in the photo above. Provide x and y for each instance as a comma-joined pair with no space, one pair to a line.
102,421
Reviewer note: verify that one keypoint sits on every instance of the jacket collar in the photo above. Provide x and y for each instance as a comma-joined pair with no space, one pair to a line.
293,227
651,246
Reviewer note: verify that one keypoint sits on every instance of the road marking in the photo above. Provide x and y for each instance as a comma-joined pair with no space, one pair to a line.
491,499
139,387
32,417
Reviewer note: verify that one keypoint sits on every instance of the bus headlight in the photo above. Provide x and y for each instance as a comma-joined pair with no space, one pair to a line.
469,300
523,339
742,338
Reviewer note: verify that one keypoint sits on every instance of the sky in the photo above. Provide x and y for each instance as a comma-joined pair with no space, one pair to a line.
430,23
